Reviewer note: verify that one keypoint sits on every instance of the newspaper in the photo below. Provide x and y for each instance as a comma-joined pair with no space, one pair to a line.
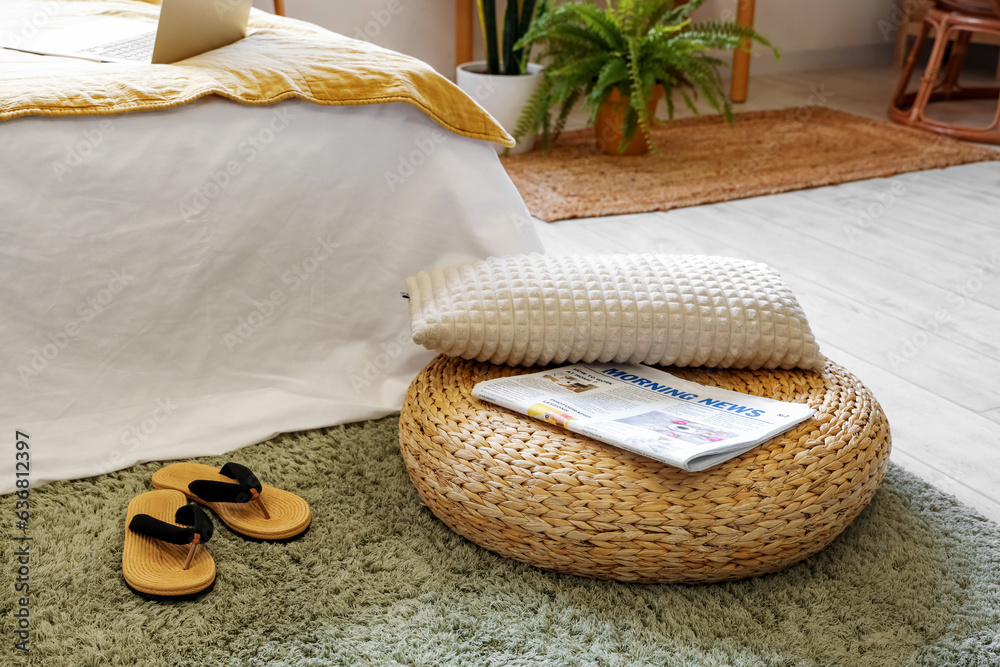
647,411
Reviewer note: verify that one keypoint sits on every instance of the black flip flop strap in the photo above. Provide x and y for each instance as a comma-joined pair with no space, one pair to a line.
227,492
194,516
195,521
241,474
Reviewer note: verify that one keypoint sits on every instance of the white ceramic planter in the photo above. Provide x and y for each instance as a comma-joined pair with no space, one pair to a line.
502,96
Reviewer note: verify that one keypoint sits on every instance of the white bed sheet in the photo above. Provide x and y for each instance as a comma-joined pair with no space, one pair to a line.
187,282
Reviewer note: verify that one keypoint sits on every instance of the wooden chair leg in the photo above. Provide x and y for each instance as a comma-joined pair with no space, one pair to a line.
940,80
956,60
279,7
911,64
902,41
929,80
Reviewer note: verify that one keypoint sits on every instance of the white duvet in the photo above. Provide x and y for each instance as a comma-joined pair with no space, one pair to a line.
188,282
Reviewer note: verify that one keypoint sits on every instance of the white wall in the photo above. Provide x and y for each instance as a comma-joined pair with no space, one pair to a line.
421,28
811,34
817,34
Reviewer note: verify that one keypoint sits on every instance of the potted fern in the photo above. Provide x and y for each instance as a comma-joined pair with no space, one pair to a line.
504,82
618,60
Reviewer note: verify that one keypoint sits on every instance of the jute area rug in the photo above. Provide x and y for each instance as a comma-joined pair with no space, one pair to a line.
704,161
378,580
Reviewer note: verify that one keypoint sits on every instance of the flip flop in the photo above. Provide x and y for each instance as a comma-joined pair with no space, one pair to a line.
248,508
161,558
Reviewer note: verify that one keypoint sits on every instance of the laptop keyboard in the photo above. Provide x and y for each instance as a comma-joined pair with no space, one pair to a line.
133,48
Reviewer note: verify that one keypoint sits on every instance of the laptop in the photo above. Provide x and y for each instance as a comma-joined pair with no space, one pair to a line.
186,28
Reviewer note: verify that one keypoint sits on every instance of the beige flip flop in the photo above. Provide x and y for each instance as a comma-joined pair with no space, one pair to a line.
250,509
161,558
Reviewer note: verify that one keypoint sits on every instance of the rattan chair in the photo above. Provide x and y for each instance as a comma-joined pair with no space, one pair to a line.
958,19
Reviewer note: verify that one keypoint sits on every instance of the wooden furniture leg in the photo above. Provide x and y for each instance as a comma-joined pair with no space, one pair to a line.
908,23
929,79
899,54
959,50
279,7
464,28
741,58
910,64
940,80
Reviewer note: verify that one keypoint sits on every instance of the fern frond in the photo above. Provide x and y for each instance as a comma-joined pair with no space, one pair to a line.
656,11
637,92
567,107
567,34
603,24
632,46
612,73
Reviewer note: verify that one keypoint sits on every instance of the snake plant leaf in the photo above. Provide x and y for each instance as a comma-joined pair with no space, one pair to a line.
505,53
488,21
510,24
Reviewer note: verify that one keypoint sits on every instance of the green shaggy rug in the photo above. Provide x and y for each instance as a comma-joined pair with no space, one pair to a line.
380,581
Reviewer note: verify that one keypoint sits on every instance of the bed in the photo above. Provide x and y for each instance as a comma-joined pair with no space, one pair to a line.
197,277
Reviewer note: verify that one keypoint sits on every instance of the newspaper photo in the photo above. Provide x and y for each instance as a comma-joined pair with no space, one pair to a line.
647,411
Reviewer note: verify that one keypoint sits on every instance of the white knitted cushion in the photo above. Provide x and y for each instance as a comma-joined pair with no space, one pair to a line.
682,310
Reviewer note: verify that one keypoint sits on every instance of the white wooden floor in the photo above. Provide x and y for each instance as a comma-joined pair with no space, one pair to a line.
899,277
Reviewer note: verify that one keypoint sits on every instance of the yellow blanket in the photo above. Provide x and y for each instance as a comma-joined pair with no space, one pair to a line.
279,58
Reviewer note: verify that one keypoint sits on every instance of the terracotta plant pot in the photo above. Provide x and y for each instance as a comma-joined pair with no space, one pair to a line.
608,124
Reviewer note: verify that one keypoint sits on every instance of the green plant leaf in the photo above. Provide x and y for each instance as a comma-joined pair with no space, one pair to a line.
632,46
511,21
488,20
601,23
613,72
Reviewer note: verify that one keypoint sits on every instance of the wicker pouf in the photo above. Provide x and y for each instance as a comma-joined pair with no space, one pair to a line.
542,495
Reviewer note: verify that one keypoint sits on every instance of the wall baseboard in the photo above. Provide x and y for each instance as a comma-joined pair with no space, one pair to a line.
869,55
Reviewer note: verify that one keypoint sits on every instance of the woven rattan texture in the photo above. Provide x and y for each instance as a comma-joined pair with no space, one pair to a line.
541,495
